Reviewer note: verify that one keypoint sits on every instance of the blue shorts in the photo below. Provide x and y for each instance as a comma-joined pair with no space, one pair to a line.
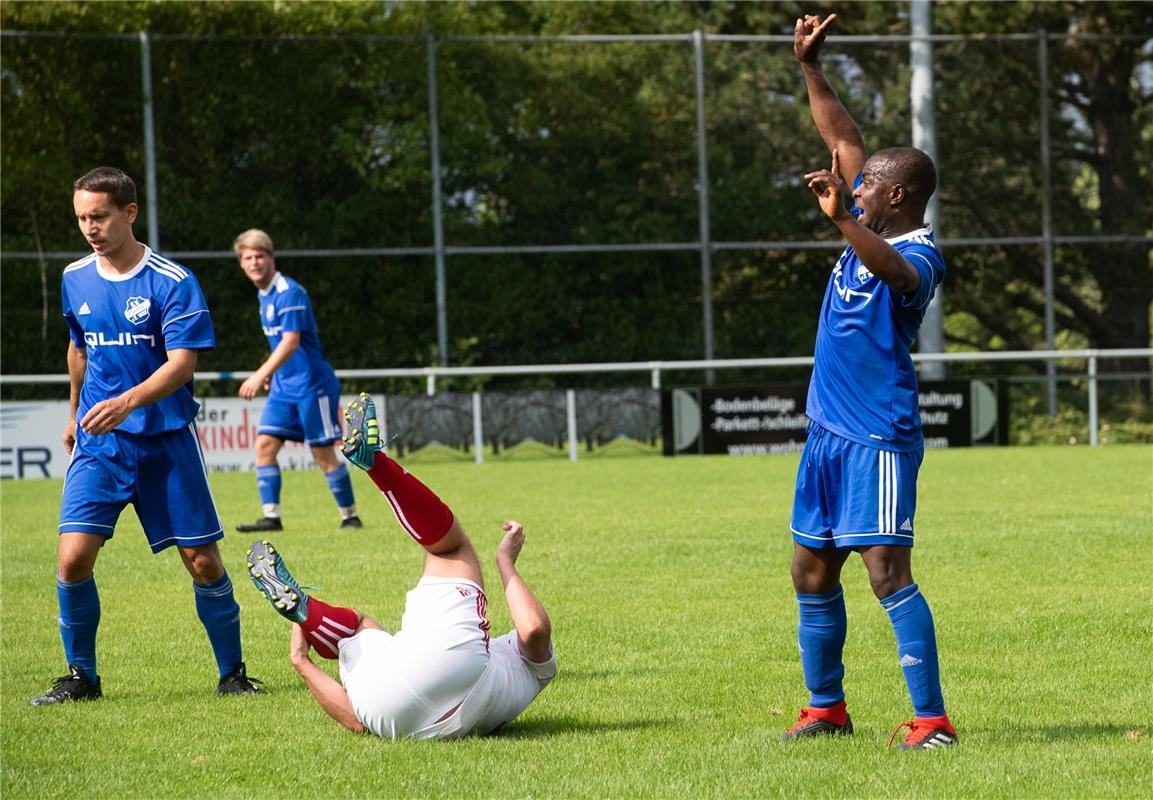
314,420
162,476
851,495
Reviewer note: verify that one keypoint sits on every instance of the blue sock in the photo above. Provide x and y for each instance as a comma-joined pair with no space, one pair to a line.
268,483
79,619
821,636
917,649
340,484
220,613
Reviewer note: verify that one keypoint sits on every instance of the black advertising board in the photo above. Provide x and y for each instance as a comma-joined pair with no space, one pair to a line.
770,419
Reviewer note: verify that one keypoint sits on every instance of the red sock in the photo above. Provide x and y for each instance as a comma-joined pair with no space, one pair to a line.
420,512
326,625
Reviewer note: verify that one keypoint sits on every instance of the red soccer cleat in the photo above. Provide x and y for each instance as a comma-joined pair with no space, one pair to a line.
926,733
814,721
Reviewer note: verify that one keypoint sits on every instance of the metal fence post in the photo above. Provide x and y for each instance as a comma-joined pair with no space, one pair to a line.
149,142
437,221
703,202
1093,422
570,414
477,428
932,335
1047,219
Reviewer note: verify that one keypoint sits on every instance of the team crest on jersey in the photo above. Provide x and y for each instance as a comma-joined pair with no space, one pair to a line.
137,310
863,273
269,312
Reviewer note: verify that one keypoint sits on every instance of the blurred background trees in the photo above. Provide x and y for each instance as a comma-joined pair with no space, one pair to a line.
298,118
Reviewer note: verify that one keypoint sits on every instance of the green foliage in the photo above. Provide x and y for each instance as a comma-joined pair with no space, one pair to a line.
307,120
675,626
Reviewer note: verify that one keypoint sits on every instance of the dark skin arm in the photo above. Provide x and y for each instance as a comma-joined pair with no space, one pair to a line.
836,126
879,256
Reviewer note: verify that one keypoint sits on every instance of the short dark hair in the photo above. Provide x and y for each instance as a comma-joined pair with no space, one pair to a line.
912,168
115,183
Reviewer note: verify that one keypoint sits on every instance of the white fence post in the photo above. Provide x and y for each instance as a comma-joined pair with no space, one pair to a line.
1092,370
477,428
570,414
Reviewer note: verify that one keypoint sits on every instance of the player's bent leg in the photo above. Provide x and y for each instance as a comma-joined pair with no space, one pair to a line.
453,556
324,625
418,509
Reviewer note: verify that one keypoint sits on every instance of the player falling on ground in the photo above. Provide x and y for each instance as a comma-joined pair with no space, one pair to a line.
856,485
440,676
138,321
303,391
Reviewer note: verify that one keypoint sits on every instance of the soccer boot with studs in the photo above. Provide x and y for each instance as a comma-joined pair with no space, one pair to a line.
275,582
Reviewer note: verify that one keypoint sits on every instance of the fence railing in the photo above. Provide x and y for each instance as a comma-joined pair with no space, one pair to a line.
1091,357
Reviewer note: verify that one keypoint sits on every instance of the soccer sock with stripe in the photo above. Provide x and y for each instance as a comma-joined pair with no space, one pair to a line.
220,613
268,484
79,619
422,514
821,636
340,484
917,649
326,625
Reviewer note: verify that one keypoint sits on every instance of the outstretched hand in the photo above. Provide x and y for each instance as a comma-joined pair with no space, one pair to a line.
808,36
827,185
510,546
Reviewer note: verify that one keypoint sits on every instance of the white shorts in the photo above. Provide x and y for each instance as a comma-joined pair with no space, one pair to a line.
401,684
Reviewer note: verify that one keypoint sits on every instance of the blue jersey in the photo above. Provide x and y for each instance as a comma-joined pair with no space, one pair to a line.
284,307
864,387
126,324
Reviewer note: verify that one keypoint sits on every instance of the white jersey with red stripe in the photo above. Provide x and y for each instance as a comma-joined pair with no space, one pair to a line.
439,677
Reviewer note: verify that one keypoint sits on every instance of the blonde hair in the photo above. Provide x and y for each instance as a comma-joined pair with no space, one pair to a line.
253,239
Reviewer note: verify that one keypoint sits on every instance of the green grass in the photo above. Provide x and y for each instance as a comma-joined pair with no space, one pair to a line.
668,582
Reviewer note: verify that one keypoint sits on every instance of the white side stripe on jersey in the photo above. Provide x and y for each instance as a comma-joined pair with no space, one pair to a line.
172,265
80,264
284,311
184,316
166,272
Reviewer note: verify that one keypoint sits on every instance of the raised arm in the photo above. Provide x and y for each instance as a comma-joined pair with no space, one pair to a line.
835,124
533,626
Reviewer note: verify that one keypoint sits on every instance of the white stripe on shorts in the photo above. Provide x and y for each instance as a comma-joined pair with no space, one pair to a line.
886,492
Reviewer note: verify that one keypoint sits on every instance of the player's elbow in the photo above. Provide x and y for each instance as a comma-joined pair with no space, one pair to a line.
536,633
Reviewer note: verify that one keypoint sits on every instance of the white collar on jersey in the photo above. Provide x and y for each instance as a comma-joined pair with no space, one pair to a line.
109,275
272,285
925,231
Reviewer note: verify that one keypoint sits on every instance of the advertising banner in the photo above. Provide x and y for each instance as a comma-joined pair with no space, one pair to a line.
770,419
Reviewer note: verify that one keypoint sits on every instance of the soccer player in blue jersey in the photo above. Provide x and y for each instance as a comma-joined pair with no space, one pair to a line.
856,485
303,391
137,321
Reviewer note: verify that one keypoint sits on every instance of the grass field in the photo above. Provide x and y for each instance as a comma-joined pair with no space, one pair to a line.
674,621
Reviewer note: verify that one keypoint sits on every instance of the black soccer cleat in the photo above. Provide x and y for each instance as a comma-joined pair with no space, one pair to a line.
74,686
262,525
808,726
351,522
238,682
